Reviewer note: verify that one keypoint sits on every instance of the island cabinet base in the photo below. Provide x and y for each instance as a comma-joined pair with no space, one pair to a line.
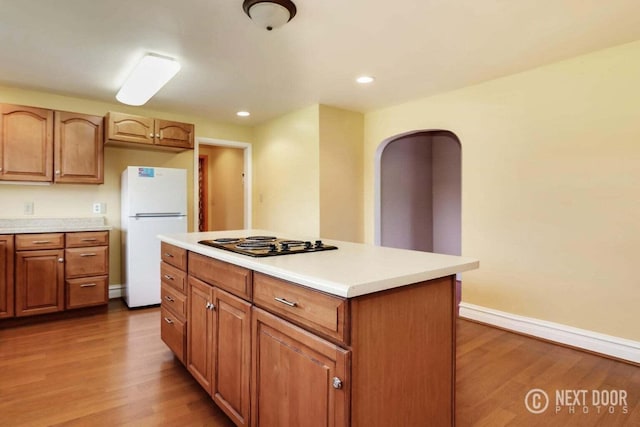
273,353
403,356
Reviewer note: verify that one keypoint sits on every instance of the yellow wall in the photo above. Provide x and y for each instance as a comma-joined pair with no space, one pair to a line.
550,187
341,174
286,174
71,200
308,174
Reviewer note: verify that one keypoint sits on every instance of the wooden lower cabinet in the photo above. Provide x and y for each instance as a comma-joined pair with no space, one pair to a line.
6,276
200,332
289,356
219,347
298,379
39,282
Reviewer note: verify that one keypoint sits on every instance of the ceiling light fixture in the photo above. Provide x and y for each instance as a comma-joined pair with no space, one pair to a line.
270,14
147,78
365,79
243,114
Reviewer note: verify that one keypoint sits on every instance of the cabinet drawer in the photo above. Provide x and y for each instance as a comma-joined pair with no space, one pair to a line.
92,261
173,300
231,278
25,242
173,277
89,238
172,332
87,291
174,255
322,313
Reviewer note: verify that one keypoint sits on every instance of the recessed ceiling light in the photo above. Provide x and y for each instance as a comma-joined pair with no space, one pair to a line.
243,114
365,79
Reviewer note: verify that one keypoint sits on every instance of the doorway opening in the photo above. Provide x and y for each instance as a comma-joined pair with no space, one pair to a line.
418,192
223,180
203,192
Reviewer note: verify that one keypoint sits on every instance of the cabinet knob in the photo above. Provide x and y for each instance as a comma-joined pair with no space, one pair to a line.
60,259
151,135
210,306
337,383
57,172
169,321
158,135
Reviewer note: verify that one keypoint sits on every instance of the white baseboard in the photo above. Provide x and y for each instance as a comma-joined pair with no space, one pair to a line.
581,338
115,291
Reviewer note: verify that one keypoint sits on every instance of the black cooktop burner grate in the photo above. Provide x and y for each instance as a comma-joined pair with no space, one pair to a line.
264,246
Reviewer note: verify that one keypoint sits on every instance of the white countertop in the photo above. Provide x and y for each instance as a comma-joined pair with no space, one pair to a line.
353,269
52,225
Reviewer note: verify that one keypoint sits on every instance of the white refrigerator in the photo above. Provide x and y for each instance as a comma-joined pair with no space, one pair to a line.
153,201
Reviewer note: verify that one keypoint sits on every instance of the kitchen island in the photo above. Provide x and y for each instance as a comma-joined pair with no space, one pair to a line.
360,336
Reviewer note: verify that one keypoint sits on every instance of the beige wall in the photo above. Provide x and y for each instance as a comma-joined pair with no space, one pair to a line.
286,174
341,174
550,185
308,174
71,200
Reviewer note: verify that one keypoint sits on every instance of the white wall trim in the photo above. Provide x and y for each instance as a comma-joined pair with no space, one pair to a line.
575,337
248,180
115,291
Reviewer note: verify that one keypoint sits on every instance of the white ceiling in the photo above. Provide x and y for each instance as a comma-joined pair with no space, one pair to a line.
414,48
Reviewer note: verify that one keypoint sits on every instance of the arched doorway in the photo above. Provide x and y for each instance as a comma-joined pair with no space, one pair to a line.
418,192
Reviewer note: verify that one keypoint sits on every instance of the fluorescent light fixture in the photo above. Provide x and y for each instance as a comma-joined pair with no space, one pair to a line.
151,73
365,79
243,114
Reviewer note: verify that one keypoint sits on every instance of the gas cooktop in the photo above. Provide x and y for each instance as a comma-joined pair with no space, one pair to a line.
263,246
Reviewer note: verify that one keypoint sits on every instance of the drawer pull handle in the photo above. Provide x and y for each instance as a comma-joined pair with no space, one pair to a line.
41,242
89,254
168,298
88,285
166,276
169,321
284,301
168,255
89,239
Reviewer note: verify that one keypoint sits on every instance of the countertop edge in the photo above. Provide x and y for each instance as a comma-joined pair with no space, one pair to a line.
338,289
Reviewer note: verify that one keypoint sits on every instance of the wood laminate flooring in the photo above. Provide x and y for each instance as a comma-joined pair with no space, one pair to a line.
112,369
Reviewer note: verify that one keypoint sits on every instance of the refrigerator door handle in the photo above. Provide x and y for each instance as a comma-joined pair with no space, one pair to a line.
158,214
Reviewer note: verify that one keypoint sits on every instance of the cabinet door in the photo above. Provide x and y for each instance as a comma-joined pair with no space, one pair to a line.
297,378
79,148
200,332
39,282
6,276
232,356
174,134
129,128
26,143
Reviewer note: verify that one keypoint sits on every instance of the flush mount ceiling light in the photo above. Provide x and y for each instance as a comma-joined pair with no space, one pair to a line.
243,114
147,78
270,14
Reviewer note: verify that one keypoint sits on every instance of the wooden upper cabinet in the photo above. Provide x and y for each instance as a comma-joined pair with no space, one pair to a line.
129,128
124,129
79,148
26,143
174,134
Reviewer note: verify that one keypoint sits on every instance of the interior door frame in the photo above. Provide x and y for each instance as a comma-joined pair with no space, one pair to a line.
248,165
